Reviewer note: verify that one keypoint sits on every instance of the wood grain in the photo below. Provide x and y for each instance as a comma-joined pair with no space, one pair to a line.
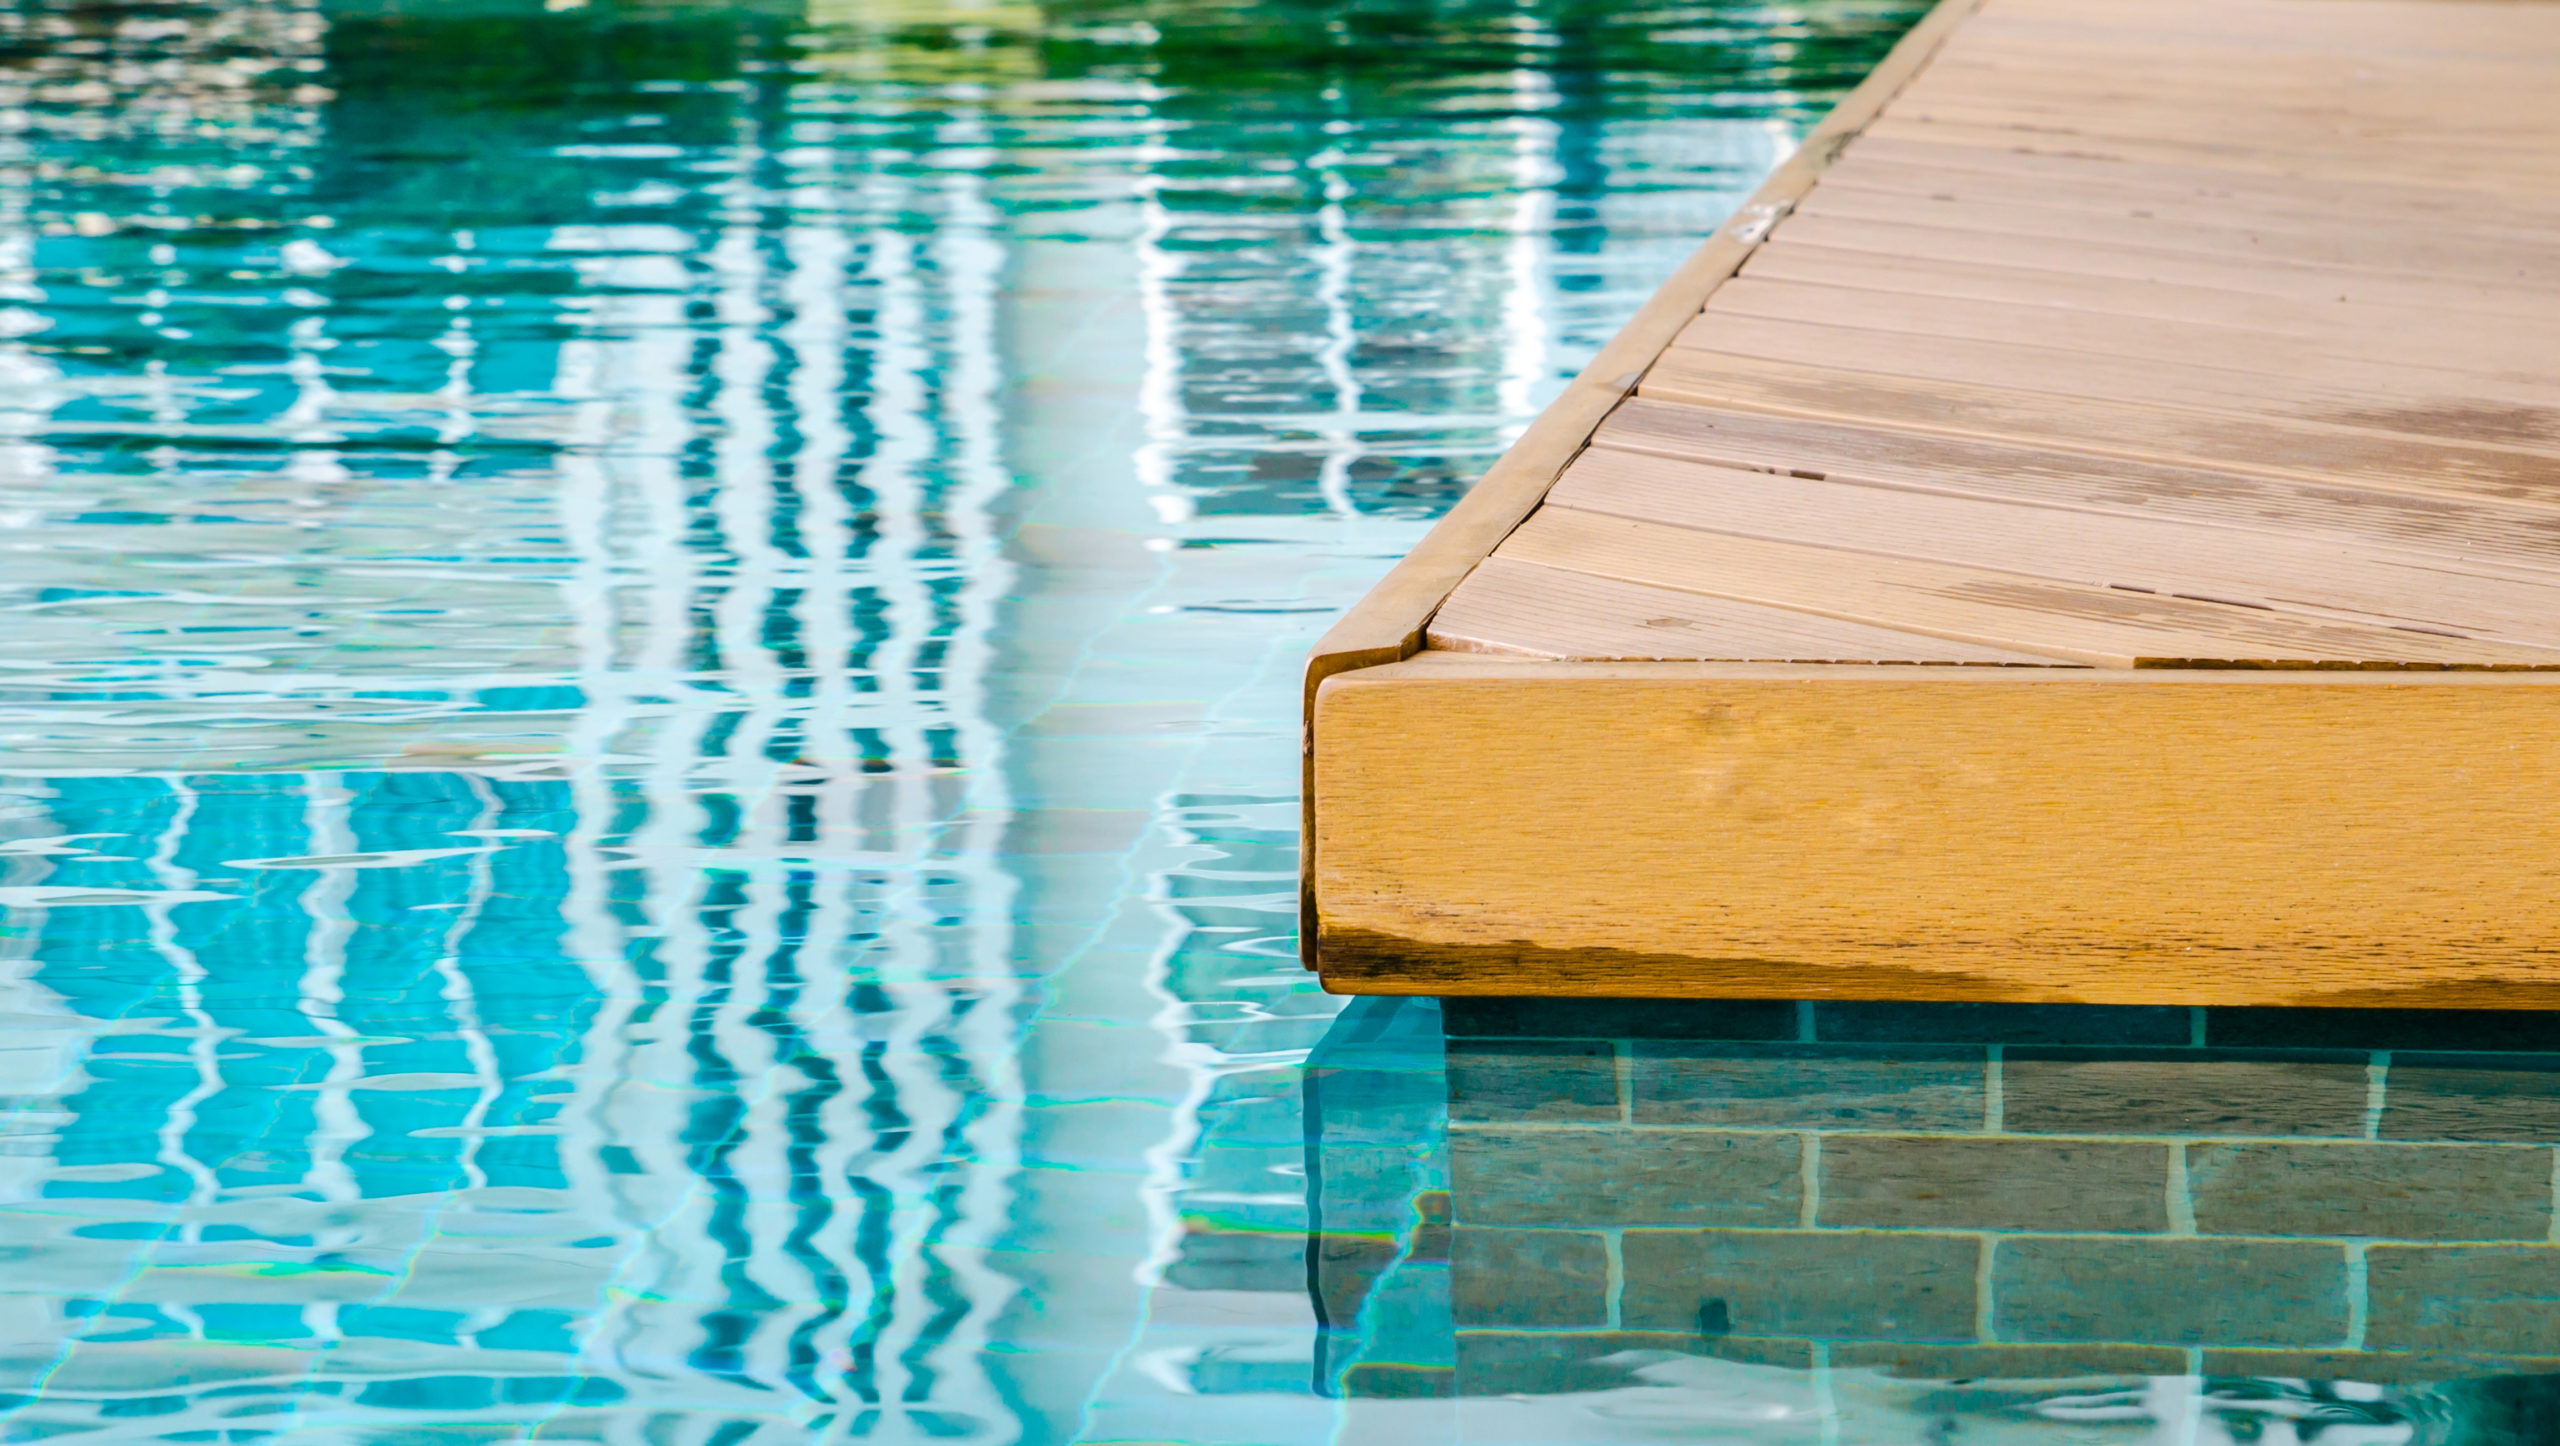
2236,154
1526,610
2319,353
2425,406
2424,337
1902,163
2103,425
2509,536
2270,277
2394,247
1963,833
2082,174
2100,626
2350,581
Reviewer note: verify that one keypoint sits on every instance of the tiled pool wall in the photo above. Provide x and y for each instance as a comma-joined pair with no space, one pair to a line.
1956,1192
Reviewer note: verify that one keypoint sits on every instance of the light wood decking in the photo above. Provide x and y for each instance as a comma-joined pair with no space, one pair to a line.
2088,529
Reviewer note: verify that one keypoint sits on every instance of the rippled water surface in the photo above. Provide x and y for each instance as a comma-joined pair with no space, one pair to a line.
648,665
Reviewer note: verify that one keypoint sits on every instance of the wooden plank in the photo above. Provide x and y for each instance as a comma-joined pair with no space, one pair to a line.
2392,39
2351,122
2271,277
2520,36
2326,576
2483,534
2342,150
2098,626
2449,96
2054,834
2423,336
2426,410
2045,68
2097,425
2233,154
2396,248
1527,610
2309,357
2229,201
2311,194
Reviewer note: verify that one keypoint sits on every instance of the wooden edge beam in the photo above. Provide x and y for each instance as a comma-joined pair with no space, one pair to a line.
1387,624
1867,831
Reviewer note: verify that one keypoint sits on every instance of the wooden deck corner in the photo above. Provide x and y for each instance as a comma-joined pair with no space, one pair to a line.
2089,529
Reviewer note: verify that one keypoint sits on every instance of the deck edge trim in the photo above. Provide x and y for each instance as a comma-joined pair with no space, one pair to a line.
1388,622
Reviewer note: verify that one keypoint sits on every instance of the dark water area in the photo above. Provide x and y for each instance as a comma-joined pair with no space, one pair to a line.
648,786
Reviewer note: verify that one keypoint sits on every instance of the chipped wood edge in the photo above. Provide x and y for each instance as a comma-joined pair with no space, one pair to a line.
1387,625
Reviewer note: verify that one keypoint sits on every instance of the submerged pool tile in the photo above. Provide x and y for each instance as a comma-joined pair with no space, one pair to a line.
1935,1182
2463,1298
1609,1176
1492,1081
1809,1086
2384,1191
2473,1097
2183,1092
1837,1284
2170,1291
1528,1279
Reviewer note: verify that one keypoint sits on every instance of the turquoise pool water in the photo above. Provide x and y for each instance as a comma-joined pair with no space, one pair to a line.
648,779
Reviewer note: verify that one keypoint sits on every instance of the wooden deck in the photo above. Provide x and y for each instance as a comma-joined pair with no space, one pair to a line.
2088,529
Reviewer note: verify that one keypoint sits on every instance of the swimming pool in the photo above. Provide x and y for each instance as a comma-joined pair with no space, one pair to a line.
648,721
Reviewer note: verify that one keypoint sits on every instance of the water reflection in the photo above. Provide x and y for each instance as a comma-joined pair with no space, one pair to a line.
647,784
647,719
1876,1223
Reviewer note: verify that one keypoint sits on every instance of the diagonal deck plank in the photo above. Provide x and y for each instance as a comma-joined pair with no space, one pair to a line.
2199,363
2097,423
2346,580
1523,609
2390,368
2471,413
2100,626
2483,534
2427,337
2273,277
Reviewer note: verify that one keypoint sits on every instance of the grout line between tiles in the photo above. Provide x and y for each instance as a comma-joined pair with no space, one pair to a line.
2377,1075
1985,1327
2555,1196
1809,1168
2356,1291
1613,1246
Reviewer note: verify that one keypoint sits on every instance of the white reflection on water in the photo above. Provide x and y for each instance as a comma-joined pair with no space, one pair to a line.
649,682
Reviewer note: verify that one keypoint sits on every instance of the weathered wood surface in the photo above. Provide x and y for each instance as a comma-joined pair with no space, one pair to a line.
2088,834
2084,342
